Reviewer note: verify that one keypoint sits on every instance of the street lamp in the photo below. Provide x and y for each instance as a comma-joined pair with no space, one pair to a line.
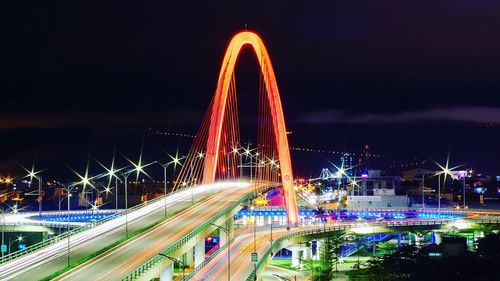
3,229
32,174
176,261
138,169
235,151
252,208
465,176
228,249
175,160
68,189
18,240
447,172
112,173
248,154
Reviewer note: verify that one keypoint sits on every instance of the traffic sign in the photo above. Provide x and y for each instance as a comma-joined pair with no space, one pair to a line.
255,258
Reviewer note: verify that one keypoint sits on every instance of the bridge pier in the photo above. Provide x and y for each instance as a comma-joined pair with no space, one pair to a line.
199,252
300,253
295,256
436,237
189,257
306,253
167,274
318,245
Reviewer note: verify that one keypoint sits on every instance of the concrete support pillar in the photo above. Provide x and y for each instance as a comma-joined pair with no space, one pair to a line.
167,274
318,250
295,256
436,237
222,238
306,253
230,226
189,259
199,252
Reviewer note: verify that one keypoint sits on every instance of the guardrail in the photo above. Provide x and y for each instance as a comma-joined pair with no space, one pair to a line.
252,275
89,225
156,259
495,221
276,242
152,262
208,259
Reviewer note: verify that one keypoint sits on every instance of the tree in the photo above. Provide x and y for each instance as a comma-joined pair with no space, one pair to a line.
387,247
327,257
489,246
355,238
330,255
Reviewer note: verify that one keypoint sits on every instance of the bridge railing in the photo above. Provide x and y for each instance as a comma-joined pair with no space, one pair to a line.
175,246
493,221
77,230
266,254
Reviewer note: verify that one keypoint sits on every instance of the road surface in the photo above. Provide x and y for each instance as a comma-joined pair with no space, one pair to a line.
50,259
120,261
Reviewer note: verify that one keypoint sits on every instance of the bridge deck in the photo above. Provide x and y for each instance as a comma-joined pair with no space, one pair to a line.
121,260
42,263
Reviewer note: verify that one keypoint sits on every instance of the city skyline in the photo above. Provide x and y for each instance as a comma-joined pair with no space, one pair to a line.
335,140
346,75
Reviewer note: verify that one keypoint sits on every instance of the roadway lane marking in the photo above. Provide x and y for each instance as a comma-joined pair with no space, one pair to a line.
153,231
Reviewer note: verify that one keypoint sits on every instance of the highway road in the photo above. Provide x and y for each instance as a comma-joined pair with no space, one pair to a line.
120,261
243,245
44,262
241,248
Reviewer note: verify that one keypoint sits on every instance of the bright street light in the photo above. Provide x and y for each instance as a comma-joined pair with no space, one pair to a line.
35,174
447,171
138,169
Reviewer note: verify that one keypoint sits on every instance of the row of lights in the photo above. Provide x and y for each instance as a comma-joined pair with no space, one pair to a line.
158,132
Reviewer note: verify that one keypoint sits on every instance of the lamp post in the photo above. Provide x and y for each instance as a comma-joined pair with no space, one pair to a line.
464,189
3,230
175,261
18,240
59,204
40,198
271,228
248,154
125,177
423,190
138,169
112,173
254,237
228,249
439,192
175,161
164,166
32,174
116,194
68,189
447,172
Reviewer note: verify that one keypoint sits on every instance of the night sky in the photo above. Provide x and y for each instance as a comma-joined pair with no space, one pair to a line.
411,78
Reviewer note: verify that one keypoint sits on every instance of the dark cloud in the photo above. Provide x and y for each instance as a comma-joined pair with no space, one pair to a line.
485,115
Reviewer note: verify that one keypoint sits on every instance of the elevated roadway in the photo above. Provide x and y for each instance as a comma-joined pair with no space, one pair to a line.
243,245
50,259
123,259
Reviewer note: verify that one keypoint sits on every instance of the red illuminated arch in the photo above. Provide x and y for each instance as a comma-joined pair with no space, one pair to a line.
219,107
